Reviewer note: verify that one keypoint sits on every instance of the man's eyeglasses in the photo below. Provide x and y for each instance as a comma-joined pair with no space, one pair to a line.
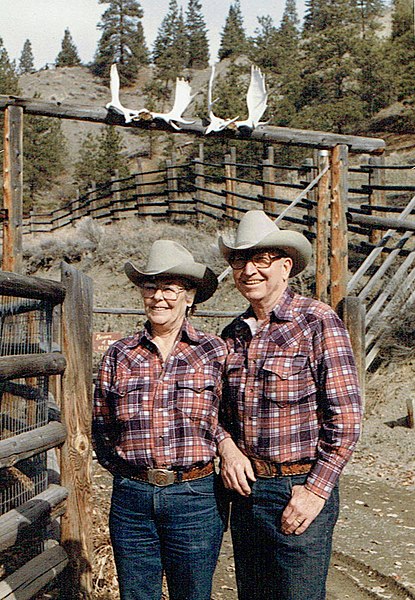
261,260
169,292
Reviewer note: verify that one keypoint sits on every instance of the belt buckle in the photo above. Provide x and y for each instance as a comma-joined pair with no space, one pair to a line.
161,477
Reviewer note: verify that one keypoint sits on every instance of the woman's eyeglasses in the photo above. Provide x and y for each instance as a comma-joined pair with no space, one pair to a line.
169,292
261,260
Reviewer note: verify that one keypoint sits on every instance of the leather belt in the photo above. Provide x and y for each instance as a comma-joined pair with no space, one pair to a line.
163,477
267,468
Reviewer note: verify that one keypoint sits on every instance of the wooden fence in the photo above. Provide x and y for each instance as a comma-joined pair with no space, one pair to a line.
31,553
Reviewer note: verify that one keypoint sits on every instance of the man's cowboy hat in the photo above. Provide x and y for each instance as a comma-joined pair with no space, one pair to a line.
256,231
171,258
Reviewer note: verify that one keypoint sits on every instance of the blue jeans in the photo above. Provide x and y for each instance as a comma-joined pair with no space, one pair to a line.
271,565
177,528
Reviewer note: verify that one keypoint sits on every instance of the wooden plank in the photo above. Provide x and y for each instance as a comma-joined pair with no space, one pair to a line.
18,523
376,197
269,191
352,311
264,134
31,365
200,183
27,444
230,183
338,237
23,286
76,453
373,222
34,575
322,239
13,189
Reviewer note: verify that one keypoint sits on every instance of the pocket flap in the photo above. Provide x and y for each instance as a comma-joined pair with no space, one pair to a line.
285,364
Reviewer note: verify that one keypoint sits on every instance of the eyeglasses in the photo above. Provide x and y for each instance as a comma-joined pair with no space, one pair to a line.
168,292
261,260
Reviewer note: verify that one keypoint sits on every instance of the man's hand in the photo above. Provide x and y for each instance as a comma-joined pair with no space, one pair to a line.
236,468
301,510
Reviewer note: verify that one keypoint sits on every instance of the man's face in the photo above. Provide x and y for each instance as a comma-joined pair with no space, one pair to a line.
259,283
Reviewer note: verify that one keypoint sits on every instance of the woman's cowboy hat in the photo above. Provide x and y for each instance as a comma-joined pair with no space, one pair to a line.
171,258
257,231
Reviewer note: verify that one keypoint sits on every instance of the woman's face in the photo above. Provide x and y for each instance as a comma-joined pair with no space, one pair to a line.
166,301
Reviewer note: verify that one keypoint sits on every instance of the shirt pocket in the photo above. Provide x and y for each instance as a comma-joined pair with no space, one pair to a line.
127,393
286,377
196,395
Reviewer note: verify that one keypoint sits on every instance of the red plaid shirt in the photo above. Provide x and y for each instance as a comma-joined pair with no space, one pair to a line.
292,391
150,414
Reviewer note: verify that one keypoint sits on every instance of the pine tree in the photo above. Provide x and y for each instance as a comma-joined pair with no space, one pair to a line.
26,62
263,47
122,40
401,49
197,39
233,37
44,151
170,52
329,95
110,157
68,56
86,170
369,11
9,82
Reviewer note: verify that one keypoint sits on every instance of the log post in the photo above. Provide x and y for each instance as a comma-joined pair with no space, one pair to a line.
115,196
269,190
308,163
200,183
90,207
322,239
230,183
172,187
339,193
353,313
376,197
139,189
76,453
13,189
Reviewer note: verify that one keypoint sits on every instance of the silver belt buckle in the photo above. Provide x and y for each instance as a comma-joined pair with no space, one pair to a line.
161,477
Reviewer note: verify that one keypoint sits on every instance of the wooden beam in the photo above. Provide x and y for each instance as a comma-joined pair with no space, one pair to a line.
23,286
376,197
27,444
352,311
31,365
19,522
13,189
76,453
25,583
385,223
265,134
322,238
338,237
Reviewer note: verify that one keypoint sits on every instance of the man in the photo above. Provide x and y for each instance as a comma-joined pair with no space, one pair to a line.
293,407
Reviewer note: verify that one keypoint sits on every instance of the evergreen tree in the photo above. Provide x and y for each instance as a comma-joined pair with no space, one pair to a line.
401,49
44,151
122,40
86,170
197,39
329,95
110,155
9,81
263,47
26,62
369,11
233,37
68,56
170,53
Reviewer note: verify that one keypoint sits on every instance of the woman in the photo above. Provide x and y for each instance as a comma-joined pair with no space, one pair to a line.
156,429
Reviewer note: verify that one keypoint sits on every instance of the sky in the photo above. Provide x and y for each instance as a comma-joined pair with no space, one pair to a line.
43,22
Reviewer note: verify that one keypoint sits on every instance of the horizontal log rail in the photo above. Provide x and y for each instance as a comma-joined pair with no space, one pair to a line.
264,134
28,444
34,575
141,312
22,286
19,523
31,365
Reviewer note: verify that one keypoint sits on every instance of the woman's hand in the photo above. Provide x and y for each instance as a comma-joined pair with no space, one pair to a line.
236,468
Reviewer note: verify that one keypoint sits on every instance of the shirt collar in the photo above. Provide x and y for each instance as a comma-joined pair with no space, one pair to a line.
282,311
188,334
